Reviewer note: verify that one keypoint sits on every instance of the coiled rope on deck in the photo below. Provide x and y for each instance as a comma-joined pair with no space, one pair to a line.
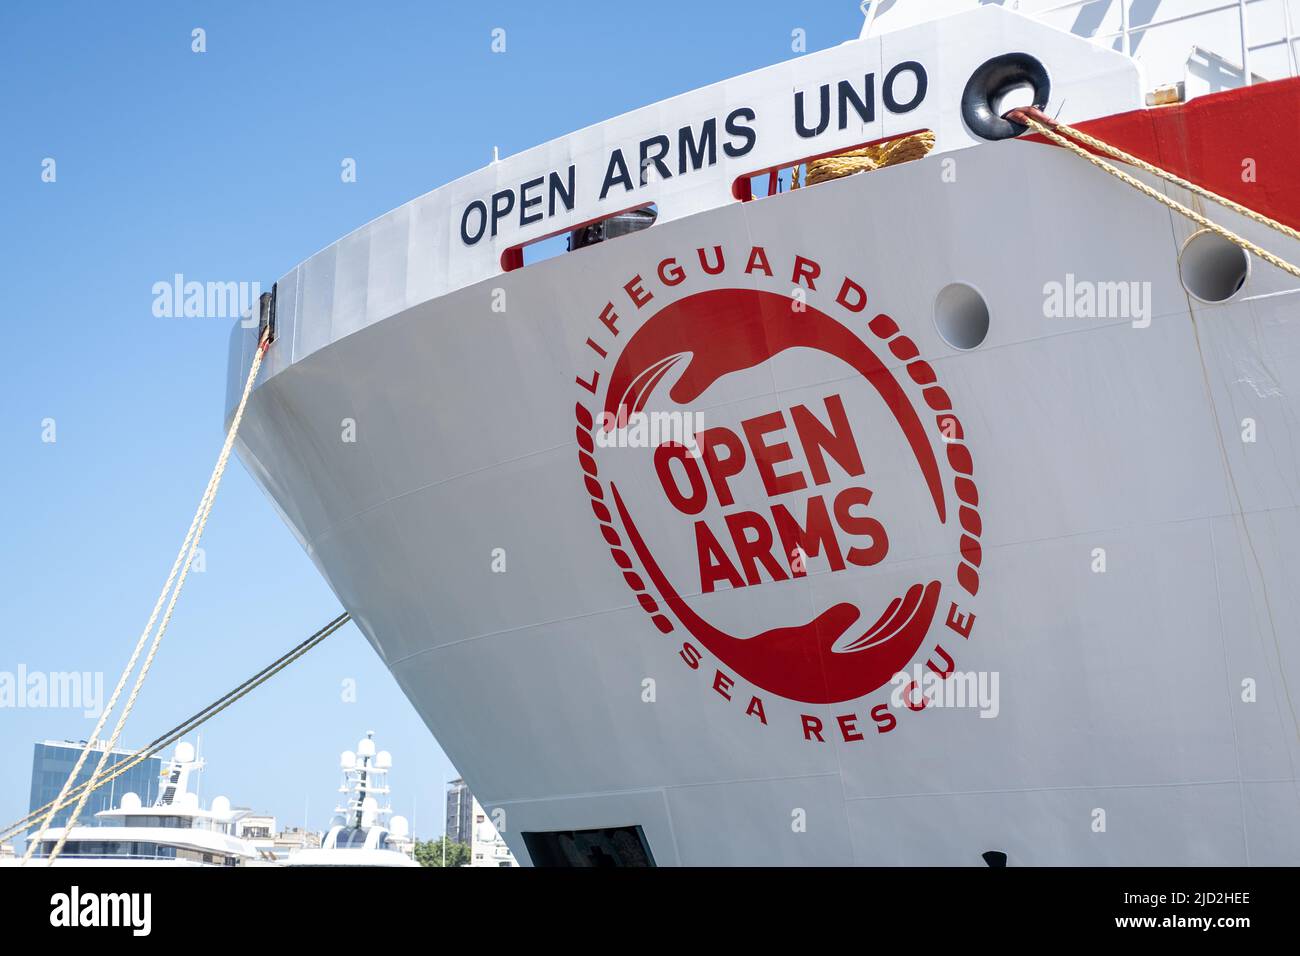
180,730
1042,124
177,576
904,149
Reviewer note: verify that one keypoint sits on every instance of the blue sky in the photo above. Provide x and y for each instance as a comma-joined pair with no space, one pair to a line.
225,166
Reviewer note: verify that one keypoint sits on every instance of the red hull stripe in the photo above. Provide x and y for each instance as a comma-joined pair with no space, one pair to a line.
1214,140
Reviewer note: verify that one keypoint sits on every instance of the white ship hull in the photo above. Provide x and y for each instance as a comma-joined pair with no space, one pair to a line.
1096,543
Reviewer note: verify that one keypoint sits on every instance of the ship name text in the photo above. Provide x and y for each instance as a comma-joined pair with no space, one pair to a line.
830,110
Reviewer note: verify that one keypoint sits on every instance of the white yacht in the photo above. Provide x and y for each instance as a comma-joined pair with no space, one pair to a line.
364,831
175,831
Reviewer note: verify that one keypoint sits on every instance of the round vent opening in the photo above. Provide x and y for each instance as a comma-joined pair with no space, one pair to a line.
1212,268
961,316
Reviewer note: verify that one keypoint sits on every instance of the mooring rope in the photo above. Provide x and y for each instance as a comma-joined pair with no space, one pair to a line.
1142,164
184,727
1046,127
179,573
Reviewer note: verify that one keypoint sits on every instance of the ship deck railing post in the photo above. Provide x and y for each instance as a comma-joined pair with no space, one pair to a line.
1245,42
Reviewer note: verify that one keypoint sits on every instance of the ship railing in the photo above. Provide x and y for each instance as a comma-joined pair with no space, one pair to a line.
158,855
112,856
1128,28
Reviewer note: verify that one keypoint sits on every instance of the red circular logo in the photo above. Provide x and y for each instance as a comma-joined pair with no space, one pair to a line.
762,478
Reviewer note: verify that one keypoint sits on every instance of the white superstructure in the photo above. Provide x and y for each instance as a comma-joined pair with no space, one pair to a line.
364,831
1203,42
174,831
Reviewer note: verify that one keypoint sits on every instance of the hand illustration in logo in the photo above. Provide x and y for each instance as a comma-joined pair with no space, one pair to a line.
832,657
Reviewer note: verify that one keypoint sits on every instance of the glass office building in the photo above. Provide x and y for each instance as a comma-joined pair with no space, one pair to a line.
460,804
53,760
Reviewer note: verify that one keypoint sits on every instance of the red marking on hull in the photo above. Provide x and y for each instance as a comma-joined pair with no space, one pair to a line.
1207,140
726,330
799,662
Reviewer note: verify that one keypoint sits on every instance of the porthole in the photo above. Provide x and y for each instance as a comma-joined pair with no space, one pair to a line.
1213,269
962,316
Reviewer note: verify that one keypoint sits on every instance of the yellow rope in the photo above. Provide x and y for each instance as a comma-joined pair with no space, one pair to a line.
1173,204
878,156
176,733
184,560
1176,180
